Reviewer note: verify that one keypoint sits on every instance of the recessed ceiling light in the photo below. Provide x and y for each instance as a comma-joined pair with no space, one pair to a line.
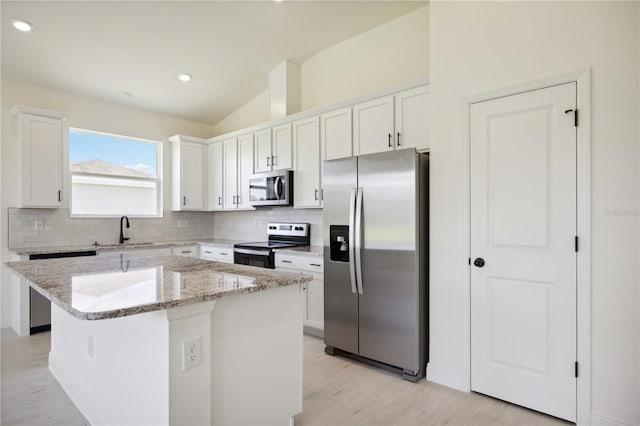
184,77
22,25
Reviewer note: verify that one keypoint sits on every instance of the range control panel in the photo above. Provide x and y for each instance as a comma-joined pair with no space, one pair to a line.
289,229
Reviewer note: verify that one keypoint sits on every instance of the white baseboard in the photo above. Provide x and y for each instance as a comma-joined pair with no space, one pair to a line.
92,411
447,377
599,419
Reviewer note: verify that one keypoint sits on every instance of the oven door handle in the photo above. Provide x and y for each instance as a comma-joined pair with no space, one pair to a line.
247,251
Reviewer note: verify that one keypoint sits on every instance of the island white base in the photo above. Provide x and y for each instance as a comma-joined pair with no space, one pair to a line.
129,370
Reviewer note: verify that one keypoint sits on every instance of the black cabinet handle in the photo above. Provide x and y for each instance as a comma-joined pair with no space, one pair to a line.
479,262
184,201
219,201
390,136
59,196
398,138
315,264
316,195
286,261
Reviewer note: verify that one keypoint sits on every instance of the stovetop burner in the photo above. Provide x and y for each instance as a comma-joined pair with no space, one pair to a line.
269,244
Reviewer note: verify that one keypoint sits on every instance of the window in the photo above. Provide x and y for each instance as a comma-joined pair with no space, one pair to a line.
114,175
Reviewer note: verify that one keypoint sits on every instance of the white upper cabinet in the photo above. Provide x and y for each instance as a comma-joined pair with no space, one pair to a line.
373,129
273,149
263,151
392,122
41,135
245,169
412,118
188,172
238,166
336,134
306,148
282,148
216,176
230,148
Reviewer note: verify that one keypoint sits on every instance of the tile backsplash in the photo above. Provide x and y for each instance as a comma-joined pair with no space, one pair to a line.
58,229
251,225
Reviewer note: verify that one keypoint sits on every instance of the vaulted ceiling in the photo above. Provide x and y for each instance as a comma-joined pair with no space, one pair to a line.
131,52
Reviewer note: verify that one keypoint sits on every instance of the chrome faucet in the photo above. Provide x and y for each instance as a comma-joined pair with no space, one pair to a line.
122,238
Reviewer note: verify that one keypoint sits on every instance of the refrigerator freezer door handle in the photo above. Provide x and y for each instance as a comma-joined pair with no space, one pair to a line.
352,239
358,240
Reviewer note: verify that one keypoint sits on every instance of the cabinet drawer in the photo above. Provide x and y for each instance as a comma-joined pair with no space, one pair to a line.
186,251
219,254
301,263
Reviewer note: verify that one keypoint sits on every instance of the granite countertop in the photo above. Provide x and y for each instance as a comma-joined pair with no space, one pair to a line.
25,251
316,251
93,288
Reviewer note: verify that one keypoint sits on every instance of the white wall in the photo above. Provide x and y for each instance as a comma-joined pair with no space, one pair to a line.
478,46
87,114
392,53
255,111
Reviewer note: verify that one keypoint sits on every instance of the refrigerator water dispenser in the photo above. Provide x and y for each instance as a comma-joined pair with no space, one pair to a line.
339,243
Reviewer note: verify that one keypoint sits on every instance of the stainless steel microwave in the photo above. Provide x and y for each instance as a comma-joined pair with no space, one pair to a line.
271,188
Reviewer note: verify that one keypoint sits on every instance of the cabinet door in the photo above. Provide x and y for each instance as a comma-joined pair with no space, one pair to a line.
306,142
336,136
282,148
215,176
412,118
245,169
314,313
373,126
42,149
230,148
192,175
263,151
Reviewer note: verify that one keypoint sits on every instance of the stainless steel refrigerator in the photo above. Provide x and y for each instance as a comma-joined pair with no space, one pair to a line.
376,259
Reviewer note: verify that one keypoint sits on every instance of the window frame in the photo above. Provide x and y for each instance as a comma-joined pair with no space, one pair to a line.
157,180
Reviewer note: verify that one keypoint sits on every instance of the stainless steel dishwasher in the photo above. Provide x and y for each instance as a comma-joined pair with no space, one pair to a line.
40,306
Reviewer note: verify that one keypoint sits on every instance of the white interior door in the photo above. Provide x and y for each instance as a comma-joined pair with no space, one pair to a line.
523,225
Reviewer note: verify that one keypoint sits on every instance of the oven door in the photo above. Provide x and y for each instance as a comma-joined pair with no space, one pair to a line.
253,257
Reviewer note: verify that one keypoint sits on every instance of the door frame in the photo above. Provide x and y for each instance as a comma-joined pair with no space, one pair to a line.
582,78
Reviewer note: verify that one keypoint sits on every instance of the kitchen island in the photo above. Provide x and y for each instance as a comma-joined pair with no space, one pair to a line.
173,340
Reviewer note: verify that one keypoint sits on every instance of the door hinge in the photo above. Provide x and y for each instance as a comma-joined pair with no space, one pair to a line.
575,115
575,243
576,369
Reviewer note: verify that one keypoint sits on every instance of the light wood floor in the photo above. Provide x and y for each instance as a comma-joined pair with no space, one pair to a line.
337,391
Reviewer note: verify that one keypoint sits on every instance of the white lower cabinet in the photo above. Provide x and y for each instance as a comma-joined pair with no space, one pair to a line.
185,251
313,290
218,254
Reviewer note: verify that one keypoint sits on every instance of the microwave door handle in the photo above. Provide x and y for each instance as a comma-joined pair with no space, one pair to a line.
276,185
352,239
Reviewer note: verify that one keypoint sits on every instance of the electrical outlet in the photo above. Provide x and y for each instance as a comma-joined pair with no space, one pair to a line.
38,225
190,353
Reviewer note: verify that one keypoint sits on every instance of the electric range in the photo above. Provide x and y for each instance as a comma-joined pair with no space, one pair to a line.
280,235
